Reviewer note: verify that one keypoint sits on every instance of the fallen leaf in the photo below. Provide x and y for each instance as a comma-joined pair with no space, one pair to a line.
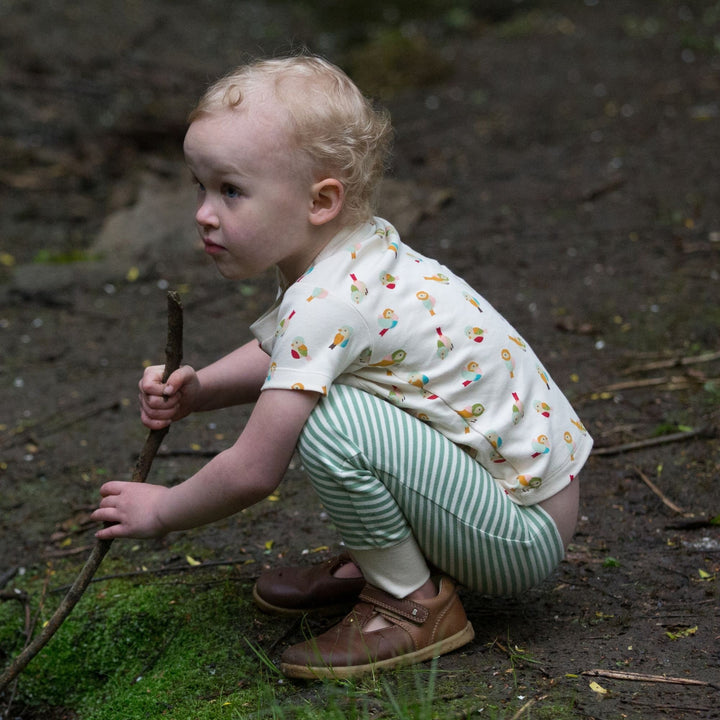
678,633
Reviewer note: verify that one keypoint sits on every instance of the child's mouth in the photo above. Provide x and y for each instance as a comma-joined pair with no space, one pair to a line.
212,248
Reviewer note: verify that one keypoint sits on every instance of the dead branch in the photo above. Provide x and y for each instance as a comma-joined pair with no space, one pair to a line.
162,571
673,362
641,677
525,707
666,501
651,442
7,576
173,357
679,382
53,424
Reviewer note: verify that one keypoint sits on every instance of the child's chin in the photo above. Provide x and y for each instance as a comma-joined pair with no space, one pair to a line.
232,273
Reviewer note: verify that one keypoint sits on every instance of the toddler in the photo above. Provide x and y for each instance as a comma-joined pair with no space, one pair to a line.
436,440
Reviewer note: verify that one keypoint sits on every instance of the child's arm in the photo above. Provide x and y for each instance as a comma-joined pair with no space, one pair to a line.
233,380
235,479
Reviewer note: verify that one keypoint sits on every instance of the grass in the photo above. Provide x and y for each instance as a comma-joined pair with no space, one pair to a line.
193,646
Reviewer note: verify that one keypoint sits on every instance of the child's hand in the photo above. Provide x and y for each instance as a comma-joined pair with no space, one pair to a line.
133,508
163,403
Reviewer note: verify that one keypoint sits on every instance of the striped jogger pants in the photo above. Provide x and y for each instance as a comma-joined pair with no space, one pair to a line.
387,479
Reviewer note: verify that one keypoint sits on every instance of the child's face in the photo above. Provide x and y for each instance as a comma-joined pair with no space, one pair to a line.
254,192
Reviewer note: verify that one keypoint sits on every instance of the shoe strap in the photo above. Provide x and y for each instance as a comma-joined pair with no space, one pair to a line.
404,608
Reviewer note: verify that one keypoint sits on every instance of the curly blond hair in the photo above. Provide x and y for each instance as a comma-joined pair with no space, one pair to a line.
338,129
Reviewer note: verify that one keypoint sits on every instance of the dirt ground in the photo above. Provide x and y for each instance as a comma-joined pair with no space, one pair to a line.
564,158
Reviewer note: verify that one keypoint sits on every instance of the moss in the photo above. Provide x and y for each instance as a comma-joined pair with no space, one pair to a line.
193,646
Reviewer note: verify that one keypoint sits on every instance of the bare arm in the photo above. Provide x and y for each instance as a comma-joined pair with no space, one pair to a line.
235,479
234,379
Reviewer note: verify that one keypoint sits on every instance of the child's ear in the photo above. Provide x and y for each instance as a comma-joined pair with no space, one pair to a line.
327,200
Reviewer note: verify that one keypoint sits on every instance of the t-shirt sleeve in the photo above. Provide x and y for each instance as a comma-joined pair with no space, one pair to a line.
317,337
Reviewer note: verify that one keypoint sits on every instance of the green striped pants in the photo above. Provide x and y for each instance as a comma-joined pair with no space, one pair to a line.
388,481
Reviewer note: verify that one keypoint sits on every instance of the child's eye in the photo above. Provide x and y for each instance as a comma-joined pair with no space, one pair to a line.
231,191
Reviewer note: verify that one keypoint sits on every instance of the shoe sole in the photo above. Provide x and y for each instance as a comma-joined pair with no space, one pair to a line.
309,672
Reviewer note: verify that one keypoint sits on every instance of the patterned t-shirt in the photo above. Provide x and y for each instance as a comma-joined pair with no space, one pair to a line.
374,314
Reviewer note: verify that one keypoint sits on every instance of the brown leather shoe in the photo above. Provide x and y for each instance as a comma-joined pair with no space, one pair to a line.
419,631
314,588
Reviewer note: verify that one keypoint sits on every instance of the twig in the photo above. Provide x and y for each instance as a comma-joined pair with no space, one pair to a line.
651,442
7,576
54,423
666,501
525,707
680,382
641,677
173,357
673,362
161,571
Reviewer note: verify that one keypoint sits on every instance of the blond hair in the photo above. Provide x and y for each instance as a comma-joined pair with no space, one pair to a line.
330,120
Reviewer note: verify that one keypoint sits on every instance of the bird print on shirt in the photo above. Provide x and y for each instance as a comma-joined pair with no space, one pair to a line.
569,444
394,358
427,300
387,320
473,301
358,290
342,337
318,292
540,446
508,360
298,349
475,334
444,344
471,373
518,409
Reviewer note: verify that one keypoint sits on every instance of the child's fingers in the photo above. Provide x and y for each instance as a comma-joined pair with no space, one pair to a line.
113,487
151,381
153,423
116,530
177,380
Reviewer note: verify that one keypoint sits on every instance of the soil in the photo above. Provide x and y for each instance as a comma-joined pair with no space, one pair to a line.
564,158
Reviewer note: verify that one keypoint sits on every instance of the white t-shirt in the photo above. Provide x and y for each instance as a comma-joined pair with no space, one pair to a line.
374,314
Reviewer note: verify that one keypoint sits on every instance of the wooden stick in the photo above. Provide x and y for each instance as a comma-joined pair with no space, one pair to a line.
173,358
674,362
666,501
650,442
525,707
641,677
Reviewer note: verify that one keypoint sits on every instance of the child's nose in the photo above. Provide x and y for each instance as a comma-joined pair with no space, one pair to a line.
206,215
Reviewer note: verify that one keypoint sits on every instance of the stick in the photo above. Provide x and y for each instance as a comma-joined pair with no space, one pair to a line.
666,501
525,707
674,362
650,442
641,677
173,357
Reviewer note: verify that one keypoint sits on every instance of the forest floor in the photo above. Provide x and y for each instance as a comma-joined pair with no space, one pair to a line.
564,159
